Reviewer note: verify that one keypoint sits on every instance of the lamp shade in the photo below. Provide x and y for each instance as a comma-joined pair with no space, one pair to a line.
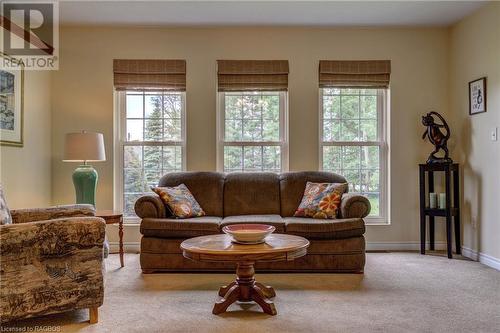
84,147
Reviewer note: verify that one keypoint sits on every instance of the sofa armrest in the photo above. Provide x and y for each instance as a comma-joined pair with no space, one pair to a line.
51,266
150,206
50,213
354,206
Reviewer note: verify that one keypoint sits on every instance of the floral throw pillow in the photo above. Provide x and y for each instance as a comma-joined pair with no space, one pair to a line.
180,201
321,200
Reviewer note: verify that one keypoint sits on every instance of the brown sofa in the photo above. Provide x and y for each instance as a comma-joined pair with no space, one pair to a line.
336,245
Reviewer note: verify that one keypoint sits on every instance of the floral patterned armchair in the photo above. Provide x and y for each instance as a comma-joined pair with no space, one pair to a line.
51,261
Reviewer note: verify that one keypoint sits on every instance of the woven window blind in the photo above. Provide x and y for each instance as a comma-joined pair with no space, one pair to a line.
261,75
149,74
354,74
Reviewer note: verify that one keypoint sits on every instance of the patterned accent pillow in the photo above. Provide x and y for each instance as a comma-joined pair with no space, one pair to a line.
321,200
180,201
5,217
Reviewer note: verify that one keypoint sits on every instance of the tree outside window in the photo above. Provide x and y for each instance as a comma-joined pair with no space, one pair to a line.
152,142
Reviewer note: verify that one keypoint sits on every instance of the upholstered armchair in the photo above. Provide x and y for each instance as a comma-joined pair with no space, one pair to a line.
51,261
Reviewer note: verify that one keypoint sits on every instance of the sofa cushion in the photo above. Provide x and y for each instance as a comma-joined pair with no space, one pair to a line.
293,184
172,228
321,200
251,193
324,229
206,187
181,202
274,220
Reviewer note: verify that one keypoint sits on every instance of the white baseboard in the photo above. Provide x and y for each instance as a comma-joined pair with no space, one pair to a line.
483,258
401,246
470,253
128,247
135,247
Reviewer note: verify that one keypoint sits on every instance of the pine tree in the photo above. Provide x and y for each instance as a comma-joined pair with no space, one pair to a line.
153,131
133,178
163,124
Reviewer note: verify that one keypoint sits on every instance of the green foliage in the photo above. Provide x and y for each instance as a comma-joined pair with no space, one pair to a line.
350,115
252,116
145,164
252,158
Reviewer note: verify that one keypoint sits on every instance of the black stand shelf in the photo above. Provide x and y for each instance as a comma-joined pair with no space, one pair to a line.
451,173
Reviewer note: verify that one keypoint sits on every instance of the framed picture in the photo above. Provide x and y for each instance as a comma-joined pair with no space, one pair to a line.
477,96
11,106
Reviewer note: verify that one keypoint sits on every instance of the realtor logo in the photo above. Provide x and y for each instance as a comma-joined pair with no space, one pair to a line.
30,34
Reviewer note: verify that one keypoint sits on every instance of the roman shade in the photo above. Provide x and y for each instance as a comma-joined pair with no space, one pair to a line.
354,74
244,75
149,74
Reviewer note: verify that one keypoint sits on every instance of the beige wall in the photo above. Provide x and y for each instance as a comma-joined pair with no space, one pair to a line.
83,95
475,52
25,172
430,70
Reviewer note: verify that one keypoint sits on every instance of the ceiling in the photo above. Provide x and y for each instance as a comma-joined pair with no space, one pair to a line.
268,13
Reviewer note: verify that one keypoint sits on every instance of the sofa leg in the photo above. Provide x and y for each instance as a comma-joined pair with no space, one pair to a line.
94,315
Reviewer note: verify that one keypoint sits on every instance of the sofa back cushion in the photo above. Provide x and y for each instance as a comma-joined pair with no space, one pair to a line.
293,184
206,187
252,193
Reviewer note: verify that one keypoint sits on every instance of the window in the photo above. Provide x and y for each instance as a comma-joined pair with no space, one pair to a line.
354,142
252,131
151,142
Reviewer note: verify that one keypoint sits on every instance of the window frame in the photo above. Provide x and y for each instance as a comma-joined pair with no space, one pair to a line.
119,134
221,129
383,112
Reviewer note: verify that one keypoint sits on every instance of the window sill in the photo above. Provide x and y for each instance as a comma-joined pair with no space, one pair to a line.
377,221
131,221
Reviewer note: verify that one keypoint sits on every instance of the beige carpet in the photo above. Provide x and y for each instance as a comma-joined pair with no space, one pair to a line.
399,292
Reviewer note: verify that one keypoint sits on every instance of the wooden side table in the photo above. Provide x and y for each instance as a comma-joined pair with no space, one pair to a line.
219,248
113,217
451,210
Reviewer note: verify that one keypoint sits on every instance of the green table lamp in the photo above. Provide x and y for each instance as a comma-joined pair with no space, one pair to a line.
84,147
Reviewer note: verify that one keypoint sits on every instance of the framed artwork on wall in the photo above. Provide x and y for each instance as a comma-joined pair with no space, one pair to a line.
11,105
477,96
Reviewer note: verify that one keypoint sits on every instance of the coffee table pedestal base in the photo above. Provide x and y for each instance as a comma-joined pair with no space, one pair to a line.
245,289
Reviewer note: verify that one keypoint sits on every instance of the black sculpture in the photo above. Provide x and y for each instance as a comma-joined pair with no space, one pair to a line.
437,137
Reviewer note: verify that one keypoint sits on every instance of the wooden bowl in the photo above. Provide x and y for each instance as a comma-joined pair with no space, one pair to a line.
248,233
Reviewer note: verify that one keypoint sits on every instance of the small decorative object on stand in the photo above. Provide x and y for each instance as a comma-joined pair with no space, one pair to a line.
442,200
432,200
434,132
438,132
248,233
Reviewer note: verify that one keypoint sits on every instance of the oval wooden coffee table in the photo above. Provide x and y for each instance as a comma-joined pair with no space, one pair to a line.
278,247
